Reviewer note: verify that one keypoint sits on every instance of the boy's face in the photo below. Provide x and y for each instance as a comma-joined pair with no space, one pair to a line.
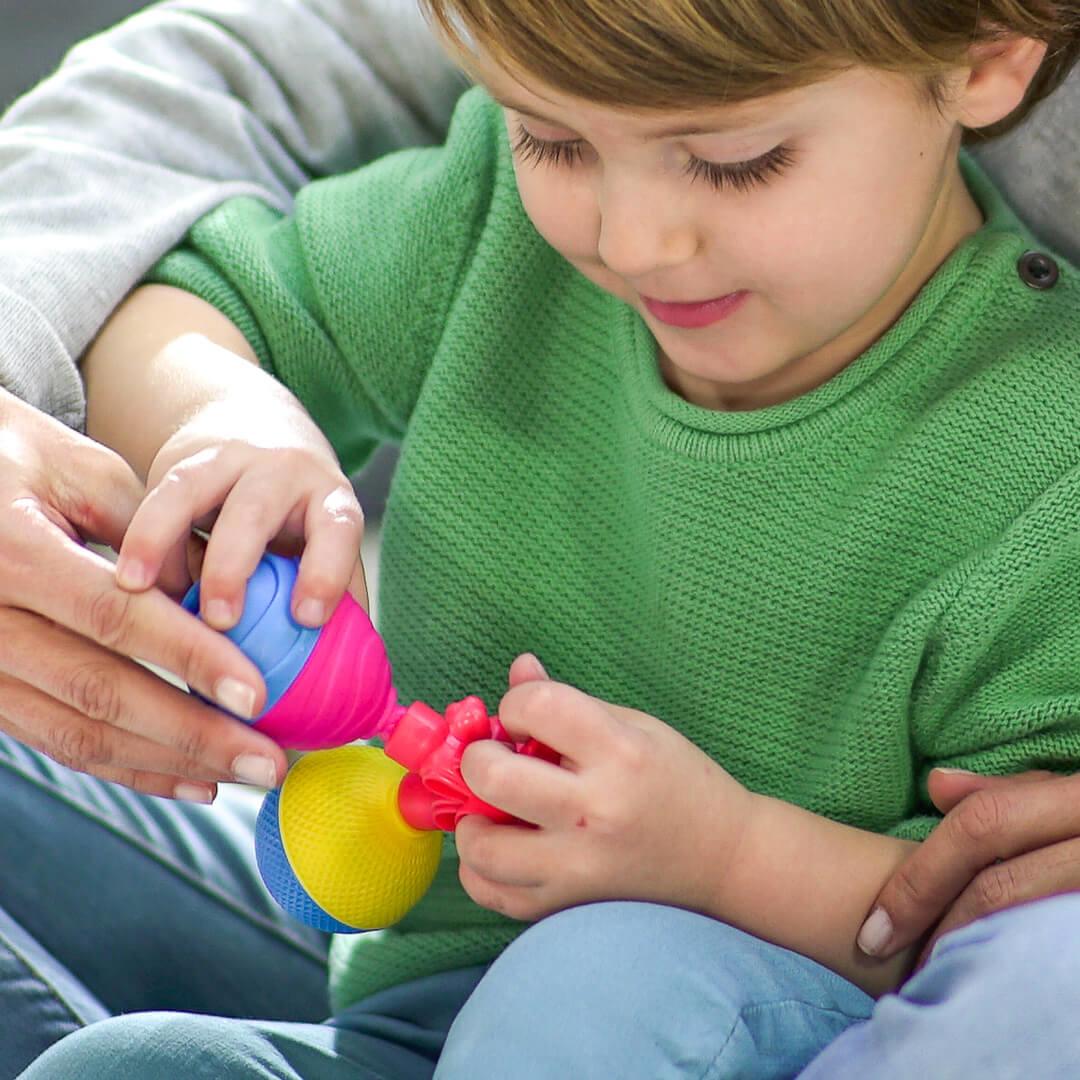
835,204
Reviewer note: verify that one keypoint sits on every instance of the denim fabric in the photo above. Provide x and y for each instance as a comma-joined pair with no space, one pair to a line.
114,903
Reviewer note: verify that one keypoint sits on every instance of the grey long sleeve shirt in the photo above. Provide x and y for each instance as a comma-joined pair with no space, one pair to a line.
145,128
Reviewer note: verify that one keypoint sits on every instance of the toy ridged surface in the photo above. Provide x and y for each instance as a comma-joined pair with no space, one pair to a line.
345,841
344,691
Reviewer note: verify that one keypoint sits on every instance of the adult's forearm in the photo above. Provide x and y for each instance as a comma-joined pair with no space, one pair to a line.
807,883
144,129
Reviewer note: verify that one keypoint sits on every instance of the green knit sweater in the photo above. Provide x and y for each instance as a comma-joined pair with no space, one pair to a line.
829,596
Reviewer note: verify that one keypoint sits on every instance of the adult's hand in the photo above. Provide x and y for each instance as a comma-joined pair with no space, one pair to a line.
68,684
1003,841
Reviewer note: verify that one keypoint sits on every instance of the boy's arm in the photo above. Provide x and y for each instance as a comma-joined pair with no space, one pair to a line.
805,882
142,130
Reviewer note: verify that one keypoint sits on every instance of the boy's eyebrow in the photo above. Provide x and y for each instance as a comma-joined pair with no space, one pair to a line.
663,133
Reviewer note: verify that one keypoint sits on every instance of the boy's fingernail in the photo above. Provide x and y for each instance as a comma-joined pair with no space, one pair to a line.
875,932
132,575
255,770
311,612
953,772
540,669
235,697
219,614
193,793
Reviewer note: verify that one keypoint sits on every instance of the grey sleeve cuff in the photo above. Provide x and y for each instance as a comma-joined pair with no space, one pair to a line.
35,365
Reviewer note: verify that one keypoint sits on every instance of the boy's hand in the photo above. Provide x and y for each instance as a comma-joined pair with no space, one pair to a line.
257,482
634,811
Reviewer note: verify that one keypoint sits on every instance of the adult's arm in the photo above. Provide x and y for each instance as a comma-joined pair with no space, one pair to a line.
103,168
145,128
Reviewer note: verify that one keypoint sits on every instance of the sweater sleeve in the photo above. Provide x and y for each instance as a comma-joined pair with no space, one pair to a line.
345,301
999,687
145,128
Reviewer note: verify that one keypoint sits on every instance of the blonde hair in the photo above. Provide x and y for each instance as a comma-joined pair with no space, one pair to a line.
672,54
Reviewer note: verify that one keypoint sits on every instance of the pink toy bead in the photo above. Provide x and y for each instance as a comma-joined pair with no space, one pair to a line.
344,692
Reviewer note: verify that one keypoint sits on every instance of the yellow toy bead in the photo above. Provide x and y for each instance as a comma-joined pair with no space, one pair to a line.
346,840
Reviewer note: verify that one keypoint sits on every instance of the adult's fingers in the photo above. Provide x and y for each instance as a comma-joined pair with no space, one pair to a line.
76,588
947,787
1048,871
91,746
989,826
195,741
93,489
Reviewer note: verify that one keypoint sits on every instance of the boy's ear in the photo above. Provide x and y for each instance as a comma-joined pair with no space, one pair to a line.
998,79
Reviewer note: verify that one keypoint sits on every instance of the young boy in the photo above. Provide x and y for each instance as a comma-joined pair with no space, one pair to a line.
749,409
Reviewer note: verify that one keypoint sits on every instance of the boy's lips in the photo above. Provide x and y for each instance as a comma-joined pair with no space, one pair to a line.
695,315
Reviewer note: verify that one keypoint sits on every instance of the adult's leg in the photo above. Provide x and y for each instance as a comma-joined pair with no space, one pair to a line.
41,1001
998,999
395,1035
640,990
148,904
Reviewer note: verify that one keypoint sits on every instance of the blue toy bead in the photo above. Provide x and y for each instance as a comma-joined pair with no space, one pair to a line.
266,632
277,874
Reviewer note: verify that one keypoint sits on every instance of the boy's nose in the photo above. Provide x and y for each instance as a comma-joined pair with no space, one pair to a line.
638,237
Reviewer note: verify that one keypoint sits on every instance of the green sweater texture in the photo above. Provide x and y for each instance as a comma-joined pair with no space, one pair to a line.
830,596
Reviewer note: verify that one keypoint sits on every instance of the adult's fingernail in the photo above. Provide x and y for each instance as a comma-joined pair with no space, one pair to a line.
132,575
875,932
311,612
235,697
193,793
255,770
952,772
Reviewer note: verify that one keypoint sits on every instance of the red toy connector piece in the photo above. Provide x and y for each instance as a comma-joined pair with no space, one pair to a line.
431,746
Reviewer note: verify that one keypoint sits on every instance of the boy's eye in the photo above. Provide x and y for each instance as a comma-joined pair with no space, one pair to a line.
737,176
540,151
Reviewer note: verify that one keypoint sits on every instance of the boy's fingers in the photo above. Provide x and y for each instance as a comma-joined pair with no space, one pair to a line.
333,530
526,668
531,789
577,726
184,495
247,521
358,589
501,854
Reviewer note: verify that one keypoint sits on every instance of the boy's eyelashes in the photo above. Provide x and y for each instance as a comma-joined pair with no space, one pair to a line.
735,176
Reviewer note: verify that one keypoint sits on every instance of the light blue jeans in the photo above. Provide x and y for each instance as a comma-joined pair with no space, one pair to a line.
111,903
